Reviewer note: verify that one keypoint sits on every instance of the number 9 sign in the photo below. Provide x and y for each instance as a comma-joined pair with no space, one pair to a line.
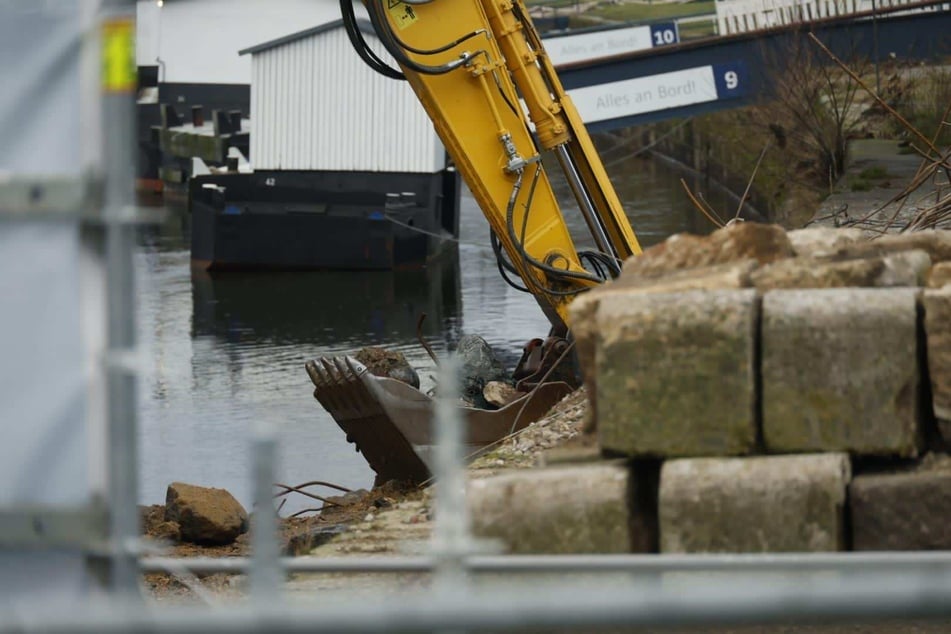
731,79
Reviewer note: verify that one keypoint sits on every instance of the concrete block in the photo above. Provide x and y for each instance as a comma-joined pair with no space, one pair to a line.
936,242
906,268
757,504
819,241
675,373
840,371
583,310
937,309
569,509
940,275
902,511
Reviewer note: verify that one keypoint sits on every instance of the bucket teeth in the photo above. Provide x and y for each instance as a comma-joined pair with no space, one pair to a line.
340,387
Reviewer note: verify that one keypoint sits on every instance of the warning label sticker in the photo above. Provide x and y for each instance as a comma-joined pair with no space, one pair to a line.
403,14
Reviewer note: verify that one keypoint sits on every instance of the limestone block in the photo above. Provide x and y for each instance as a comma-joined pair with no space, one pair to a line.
818,241
744,240
840,371
758,504
567,509
902,511
583,310
937,309
906,268
205,515
675,373
936,242
940,275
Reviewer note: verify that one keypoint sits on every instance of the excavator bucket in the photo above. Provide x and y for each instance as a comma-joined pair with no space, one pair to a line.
391,422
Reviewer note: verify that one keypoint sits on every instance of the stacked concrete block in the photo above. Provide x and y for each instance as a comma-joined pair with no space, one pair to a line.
707,350
676,373
840,371
757,504
907,268
570,509
732,275
903,511
937,309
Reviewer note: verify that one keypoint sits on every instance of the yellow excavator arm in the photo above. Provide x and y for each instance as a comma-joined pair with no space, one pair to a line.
477,66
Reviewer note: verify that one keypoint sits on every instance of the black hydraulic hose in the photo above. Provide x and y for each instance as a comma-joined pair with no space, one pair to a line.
439,49
383,30
505,267
360,45
551,270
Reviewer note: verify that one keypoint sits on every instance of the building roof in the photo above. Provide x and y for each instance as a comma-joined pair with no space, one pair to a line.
364,25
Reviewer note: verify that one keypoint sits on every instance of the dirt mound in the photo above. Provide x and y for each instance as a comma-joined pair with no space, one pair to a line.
388,363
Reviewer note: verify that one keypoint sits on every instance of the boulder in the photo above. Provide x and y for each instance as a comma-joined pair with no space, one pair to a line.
753,505
840,371
906,268
205,515
582,311
388,363
565,509
675,373
937,309
940,275
821,241
499,393
740,241
480,365
903,511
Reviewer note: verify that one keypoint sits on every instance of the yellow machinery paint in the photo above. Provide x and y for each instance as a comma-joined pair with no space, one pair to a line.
498,62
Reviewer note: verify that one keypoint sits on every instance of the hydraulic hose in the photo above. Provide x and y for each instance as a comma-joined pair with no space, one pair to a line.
383,30
360,45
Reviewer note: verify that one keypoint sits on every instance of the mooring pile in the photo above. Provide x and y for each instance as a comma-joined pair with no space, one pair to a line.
754,391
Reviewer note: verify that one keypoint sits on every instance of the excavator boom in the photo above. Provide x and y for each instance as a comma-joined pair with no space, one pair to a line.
477,66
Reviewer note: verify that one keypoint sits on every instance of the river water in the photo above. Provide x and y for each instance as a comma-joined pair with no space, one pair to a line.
227,352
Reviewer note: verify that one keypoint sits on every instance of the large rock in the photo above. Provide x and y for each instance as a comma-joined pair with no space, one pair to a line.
576,509
819,241
740,241
903,511
840,371
907,268
761,504
480,366
940,275
205,515
731,275
937,309
676,374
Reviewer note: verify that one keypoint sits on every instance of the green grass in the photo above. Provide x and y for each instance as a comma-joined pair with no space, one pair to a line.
873,173
637,12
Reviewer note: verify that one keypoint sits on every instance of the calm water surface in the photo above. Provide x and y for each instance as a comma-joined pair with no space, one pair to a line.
227,352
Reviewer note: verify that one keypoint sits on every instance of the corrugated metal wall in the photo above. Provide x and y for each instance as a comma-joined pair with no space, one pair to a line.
316,106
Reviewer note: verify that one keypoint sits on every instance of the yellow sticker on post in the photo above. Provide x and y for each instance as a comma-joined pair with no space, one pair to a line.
403,14
119,73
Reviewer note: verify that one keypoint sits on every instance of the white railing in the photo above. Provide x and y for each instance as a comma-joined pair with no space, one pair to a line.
740,16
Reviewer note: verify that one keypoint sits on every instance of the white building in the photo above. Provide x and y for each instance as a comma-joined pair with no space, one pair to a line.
318,106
